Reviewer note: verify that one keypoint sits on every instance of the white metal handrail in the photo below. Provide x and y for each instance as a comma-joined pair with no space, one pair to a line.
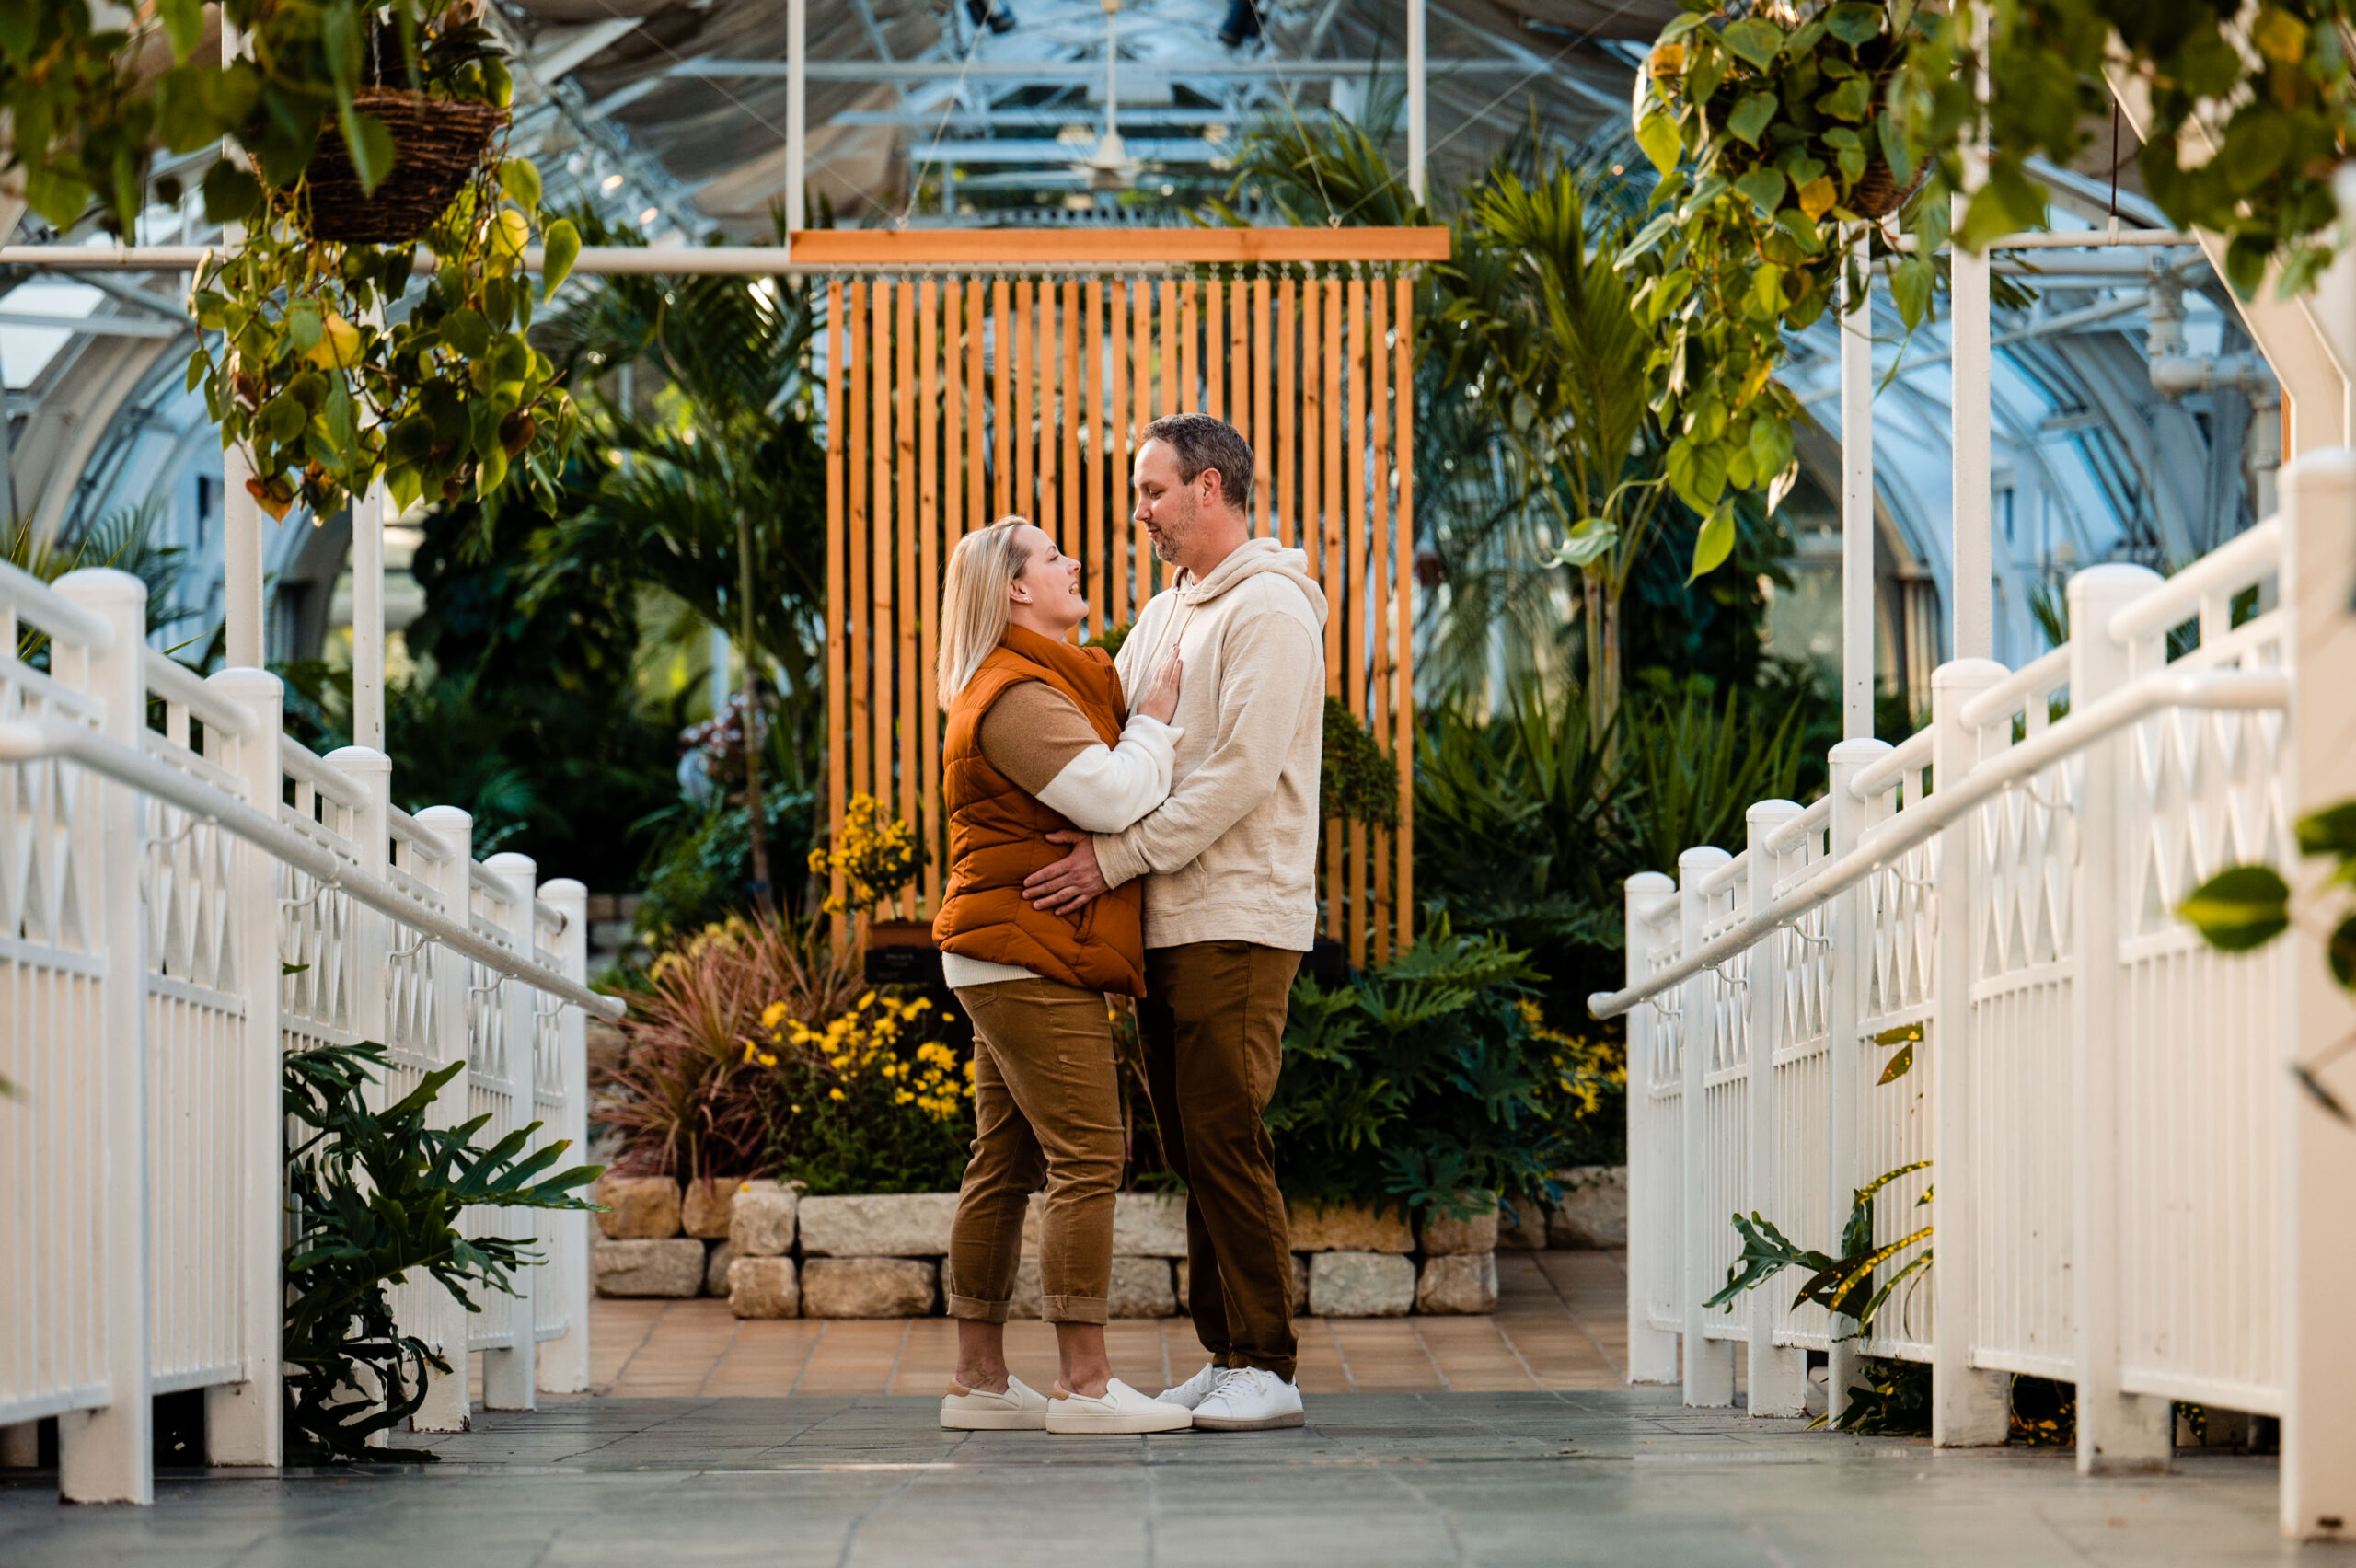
2217,689
2234,565
40,739
50,611
174,682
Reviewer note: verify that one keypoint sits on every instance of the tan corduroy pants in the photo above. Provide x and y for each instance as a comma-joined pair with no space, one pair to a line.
1047,1106
1212,1025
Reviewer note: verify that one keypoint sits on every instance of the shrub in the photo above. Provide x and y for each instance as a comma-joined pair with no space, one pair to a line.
875,1101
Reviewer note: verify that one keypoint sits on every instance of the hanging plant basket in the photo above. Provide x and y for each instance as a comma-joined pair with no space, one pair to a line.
438,143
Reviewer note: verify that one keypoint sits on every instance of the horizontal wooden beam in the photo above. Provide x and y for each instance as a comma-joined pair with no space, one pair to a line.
998,248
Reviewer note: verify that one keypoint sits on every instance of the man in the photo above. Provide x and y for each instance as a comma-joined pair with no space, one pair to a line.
1230,898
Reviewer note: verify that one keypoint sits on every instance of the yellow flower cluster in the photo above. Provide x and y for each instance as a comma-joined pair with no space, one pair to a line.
876,857
867,1044
1584,1069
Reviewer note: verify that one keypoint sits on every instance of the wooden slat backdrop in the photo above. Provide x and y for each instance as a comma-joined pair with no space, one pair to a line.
953,401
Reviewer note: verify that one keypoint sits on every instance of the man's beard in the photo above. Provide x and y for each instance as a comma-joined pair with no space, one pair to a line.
1174,534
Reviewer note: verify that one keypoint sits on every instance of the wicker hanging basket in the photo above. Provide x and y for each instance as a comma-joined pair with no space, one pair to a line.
437,146
1877,194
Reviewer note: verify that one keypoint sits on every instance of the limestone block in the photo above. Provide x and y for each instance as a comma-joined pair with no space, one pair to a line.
761,1219
764,1287
1522,1226
1443,1234
1593,1211
1179,1271
1458,1281
639,1208
1360,1285
1150,1225
1348,1227
867,1287
1140,1289
902,1225
717,1257
703,1207
645,1266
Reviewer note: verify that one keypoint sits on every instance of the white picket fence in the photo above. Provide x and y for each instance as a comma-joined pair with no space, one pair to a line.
160,826
2128,1190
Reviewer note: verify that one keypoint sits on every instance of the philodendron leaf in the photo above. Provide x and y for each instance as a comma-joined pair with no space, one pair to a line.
560,248
2331,831
1588,542
1715,543
1751,117
1903,1034
2239,908
1899,1065
2340,953
1755,42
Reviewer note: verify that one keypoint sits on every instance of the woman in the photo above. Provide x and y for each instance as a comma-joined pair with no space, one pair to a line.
1037,744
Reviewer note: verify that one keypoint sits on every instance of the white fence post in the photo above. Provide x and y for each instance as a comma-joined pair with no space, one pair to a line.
1969,1407
564,1362
1652,1352
1777,1375
244,1422
2118,1432
2318,578
103,1453
444,1324
1844,1014
1709,1364
508,1378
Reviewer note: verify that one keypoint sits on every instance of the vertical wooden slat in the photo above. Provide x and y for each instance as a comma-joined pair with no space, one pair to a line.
1214,351
1049,362
880,530
1167,336
1261,480
1284,524
956,426
1358,524
1333,566
863,757
1308,519
1378,422
1149,333
900,735
977,397
1026,423
1116,433
1190,370
1403,371
926,741
1002,368
838,420
1075,409
1094,552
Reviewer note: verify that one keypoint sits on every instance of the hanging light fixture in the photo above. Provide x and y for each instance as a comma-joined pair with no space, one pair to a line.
1110,167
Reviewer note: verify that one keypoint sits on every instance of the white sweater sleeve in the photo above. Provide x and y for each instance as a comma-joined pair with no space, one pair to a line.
1106,788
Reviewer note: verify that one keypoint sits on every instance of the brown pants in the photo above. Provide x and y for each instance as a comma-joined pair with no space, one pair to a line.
1047,1105
1212,1026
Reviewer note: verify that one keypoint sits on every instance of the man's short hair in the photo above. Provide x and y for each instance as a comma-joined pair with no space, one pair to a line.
1202,442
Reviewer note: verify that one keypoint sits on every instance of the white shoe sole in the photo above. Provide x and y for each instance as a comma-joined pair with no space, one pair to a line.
1249,1423
995,1420
1117,1423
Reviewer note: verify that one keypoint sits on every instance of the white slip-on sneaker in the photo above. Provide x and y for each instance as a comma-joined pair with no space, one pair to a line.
1122,1409
1250,1399
1021,1409
1195,1390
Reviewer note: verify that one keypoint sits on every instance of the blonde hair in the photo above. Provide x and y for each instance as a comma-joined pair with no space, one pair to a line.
974,599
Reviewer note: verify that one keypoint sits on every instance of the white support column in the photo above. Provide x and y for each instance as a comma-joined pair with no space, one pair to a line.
1652,1352
2319,1159
564,1362
1845,1019
1709,1364
368,619
1857,497
1418,101
243,602
244,1421
509,1377
2118,1433
445,1325
1777,1375
1969,1407
1972,591
103,1454
797,118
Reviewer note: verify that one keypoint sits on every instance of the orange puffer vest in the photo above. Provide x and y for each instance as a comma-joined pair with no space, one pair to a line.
998,834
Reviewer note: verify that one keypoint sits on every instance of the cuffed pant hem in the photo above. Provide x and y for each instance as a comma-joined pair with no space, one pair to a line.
1282,1366
977,1310
1073,1309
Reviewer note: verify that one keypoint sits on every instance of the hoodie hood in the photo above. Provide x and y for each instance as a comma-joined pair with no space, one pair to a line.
1254,558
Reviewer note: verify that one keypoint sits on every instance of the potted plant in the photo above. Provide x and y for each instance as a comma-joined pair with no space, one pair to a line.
877,857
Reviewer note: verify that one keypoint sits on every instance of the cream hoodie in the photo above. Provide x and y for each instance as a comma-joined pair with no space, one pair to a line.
1232,854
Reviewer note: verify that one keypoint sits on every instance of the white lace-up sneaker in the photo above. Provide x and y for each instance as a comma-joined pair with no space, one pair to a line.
1119,1409
1196,1388
1250,1399
1020,1408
